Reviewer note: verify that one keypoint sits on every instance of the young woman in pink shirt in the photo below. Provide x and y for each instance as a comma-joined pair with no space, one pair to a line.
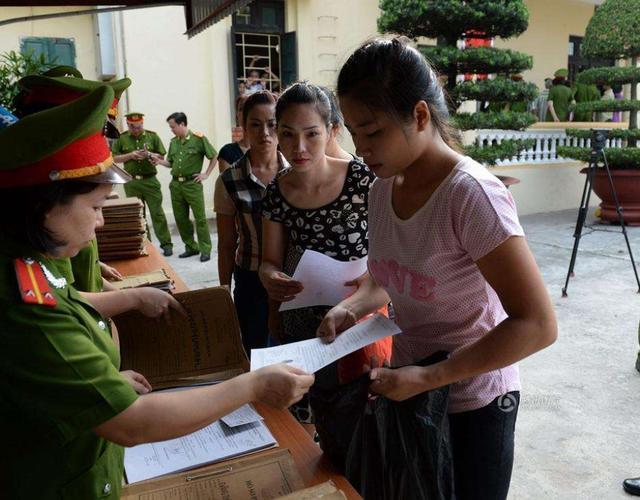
446,247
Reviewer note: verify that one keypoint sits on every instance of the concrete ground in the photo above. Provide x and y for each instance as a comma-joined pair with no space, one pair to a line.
580,408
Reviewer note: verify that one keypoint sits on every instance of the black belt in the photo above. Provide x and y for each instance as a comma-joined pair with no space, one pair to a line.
139,177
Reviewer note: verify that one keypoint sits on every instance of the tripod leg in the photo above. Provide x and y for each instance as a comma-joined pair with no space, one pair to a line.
621,219
582,215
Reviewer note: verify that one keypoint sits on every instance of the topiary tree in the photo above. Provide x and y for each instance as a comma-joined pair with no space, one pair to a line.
614,33
450,20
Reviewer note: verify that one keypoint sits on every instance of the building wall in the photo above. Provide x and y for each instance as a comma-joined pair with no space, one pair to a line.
547,38
80,28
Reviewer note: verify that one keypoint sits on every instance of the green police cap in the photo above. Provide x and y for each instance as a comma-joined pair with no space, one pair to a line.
60,143
134,117
561,73
38,92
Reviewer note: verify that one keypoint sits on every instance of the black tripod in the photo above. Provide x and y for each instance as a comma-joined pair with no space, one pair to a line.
596,158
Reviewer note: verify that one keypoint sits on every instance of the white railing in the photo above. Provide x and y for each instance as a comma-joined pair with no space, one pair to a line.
544,149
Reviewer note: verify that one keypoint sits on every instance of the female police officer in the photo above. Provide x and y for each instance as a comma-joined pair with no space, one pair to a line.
64,407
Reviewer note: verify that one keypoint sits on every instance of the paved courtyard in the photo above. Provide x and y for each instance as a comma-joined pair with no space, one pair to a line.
580,411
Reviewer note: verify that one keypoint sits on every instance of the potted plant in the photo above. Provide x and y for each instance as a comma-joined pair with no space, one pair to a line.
14,66
449,21
613,33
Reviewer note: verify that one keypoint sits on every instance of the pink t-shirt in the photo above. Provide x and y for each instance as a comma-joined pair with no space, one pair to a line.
427,266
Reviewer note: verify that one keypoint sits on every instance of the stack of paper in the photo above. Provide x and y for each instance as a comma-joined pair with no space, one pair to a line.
213,443
157,279
122,236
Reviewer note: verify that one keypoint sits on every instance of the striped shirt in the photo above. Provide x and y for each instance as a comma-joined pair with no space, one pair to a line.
239,193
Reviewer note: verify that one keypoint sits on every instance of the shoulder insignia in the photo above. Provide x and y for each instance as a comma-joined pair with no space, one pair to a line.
32,283
199,134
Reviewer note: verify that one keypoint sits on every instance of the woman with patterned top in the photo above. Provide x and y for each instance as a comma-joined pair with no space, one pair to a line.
447,248
319,204
237,202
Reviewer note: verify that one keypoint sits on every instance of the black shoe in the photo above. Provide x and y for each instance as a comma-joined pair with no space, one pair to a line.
205,257
632,486
167,251
638,363
188,253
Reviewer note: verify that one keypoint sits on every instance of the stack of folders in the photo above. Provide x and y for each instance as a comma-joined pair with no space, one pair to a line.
157,279
122,236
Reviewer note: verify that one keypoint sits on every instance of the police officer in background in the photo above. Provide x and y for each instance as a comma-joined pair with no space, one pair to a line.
135,148
186,153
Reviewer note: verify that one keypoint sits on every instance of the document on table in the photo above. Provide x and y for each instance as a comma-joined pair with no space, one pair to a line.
213,443
244,415
323,279
313,354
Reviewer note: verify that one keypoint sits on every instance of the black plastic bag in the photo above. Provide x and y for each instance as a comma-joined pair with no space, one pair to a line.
387,449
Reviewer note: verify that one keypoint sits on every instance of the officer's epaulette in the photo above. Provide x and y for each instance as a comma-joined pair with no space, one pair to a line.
150,132
32,283
199,134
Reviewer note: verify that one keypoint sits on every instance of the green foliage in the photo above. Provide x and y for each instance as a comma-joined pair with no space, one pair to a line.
614,133
609,105
503,151
622,158
613,31
505,120
14,66
477,60
451,18
611,75
497,90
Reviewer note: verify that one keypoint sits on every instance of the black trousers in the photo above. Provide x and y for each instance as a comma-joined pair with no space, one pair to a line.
482,443
252,307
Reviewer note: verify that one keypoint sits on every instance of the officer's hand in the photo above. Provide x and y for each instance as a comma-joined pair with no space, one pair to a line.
200,177
110,273
136,380
280,385
138,155
155,158
154,303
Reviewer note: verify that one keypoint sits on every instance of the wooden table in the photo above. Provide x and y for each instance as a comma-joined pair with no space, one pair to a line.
313,466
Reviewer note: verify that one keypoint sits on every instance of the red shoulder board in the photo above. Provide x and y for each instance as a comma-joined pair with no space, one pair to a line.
32,282
199,134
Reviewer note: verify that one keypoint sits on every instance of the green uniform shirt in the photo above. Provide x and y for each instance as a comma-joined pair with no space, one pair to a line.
561,96
585,93
83,270
59,379
126,143
186,155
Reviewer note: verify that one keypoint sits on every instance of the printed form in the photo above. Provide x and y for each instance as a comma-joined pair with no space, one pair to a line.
323,279
218,441
313,354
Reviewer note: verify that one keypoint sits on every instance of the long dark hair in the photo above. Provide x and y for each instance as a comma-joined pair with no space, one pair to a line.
23,212
391,76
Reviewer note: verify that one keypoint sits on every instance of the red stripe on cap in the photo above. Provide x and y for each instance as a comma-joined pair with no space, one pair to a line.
85,152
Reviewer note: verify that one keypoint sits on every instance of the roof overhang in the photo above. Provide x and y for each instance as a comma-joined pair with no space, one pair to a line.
199,14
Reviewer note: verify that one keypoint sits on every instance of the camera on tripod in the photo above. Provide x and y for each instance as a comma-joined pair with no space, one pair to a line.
599,138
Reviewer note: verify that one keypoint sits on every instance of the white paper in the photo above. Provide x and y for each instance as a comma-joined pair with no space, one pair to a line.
323,279
244,415
211,444
313,354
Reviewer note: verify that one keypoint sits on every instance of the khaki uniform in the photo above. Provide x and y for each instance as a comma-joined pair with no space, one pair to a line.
59,382
186,156
145,184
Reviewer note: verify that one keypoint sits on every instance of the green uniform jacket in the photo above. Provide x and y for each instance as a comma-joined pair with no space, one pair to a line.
83,270
126,143
186,155
59,379
561,96
585,93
